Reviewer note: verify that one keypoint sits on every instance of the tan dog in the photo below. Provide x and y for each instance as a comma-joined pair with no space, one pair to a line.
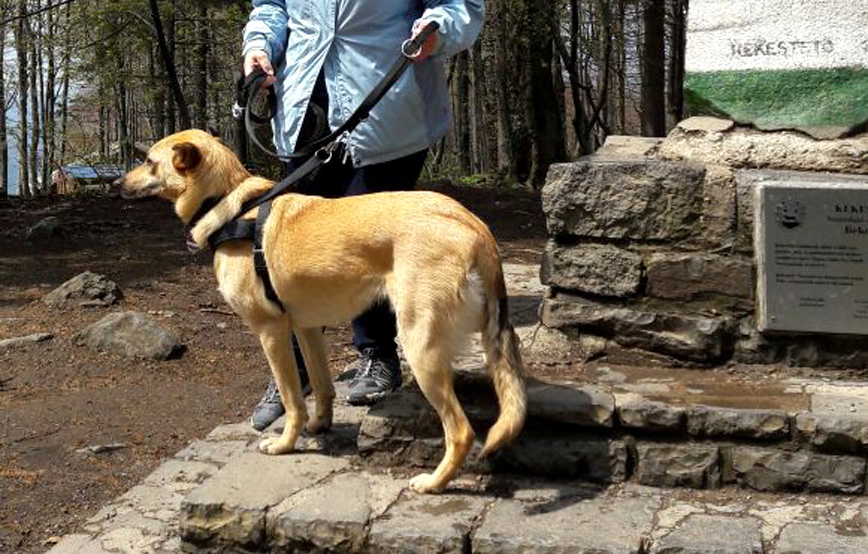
329,260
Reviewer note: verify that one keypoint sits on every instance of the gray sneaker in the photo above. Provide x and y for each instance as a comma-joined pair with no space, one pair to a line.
376,377
270,407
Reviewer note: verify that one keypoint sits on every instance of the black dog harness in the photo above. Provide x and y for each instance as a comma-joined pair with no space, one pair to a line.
318,152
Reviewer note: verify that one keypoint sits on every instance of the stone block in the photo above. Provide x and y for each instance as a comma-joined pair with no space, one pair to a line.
813,538
775,65
215,452
777,470
636,412
713,534
718,222
600,269
397,423
578,525
628,146
571,404
77,544
312,520
425,523
229,509
748,148
629,199
713,421
686,277
799,350
836,434
232,432
689,465
179,475
697,338
564,456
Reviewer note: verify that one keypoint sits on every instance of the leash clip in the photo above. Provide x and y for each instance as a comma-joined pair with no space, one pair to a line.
237,111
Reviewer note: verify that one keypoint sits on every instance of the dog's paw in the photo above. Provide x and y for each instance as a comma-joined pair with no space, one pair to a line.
321,422
424,484
318,425
274,446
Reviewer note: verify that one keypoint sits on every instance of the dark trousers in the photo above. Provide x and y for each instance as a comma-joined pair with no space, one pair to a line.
374,329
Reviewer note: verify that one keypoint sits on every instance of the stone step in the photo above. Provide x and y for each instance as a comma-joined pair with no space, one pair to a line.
795,441
221,495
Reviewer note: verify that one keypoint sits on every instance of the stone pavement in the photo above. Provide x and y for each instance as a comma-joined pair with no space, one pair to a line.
220,495
577,480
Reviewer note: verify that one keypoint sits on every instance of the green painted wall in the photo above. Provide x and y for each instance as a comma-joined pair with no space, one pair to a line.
782,99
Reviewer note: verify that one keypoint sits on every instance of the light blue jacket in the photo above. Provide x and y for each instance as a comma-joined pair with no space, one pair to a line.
356,42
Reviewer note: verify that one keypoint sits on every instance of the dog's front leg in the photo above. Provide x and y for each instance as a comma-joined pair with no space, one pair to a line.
276,341
313,348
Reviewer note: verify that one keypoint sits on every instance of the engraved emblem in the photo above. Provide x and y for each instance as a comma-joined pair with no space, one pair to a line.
790,213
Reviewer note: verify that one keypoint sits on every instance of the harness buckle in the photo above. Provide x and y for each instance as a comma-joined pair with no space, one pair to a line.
238,111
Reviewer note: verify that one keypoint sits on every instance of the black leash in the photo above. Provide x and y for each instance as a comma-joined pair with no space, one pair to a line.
254,85
318,152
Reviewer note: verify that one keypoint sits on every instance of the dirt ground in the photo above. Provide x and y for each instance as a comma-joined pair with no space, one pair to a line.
57,397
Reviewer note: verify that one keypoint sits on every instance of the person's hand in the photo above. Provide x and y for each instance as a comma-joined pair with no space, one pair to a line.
259,59
428,46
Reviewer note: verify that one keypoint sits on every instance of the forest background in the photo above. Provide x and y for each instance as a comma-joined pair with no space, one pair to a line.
547,81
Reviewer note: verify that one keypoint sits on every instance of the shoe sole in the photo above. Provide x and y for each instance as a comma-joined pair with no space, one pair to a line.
369,399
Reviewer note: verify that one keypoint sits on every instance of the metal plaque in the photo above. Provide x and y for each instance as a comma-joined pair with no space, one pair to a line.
811,240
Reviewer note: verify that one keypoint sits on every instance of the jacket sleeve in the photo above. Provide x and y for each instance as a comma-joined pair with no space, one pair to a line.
267,29
460,22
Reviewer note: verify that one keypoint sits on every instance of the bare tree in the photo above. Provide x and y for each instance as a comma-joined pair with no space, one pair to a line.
653,69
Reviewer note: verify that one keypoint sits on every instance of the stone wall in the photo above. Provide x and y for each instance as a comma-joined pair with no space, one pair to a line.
651,243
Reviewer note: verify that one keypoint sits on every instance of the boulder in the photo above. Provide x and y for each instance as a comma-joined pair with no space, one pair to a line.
132,334
85,289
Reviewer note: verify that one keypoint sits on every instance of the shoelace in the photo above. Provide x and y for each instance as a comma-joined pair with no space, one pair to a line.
271,394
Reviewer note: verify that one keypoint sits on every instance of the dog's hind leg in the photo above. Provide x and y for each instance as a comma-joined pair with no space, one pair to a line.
275,338
313,347
430,357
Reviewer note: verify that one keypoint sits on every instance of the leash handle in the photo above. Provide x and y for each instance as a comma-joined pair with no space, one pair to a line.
412,47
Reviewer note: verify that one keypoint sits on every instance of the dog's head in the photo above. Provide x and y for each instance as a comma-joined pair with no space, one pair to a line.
184,168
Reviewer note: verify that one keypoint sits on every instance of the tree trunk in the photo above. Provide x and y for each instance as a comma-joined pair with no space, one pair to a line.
546,128
171,113
34,117
64,101
169,64
21,35
653,69
460,81
4,138
676,60
202,68
505,132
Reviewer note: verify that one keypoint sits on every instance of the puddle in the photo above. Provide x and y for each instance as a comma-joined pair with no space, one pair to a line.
709,387
448,507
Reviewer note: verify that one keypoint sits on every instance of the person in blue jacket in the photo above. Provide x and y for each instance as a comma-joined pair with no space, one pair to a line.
322,58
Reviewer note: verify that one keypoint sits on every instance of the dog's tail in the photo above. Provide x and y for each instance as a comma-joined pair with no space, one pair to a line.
504,363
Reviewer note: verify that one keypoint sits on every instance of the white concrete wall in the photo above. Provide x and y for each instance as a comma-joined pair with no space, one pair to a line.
776,34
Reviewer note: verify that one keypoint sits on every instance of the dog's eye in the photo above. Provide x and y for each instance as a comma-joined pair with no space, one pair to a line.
149,161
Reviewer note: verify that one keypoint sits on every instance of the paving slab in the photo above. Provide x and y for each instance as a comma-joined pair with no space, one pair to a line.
581,525
711,534
230,508
809,538
427,524
332,516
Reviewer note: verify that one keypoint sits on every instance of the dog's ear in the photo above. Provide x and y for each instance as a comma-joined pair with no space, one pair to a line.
187,157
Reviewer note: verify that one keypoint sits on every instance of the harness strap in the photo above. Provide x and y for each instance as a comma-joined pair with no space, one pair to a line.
259,263
243,229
